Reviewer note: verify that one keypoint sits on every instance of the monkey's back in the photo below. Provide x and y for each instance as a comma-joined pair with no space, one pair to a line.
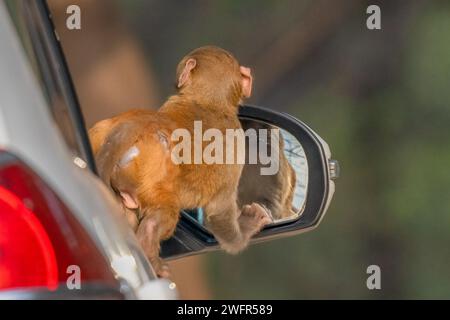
199,183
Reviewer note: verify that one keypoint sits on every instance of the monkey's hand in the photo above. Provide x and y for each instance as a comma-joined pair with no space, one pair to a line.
160,267
252,219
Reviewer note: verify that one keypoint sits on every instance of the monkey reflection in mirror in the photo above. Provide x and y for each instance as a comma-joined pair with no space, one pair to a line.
284,193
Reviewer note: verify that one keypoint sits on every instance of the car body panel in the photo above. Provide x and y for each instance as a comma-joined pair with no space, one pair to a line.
28,131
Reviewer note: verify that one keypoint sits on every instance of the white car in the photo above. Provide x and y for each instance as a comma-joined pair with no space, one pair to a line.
61,232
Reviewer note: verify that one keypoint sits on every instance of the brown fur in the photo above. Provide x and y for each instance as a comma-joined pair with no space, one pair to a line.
274,192
210,86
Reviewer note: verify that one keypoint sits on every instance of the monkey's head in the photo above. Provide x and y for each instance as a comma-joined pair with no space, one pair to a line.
215,75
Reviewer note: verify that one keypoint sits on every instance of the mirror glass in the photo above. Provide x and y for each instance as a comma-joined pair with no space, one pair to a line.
275,173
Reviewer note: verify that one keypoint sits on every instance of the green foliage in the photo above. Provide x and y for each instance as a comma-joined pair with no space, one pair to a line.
391,206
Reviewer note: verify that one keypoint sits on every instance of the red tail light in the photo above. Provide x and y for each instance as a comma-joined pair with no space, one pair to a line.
39,237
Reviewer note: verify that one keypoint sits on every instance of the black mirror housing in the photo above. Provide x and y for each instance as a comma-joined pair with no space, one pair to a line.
192,238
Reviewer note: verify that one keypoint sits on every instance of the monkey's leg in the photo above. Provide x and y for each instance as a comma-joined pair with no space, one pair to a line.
131,217
149,239
231,227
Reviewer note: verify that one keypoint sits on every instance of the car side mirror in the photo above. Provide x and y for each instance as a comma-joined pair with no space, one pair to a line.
293,181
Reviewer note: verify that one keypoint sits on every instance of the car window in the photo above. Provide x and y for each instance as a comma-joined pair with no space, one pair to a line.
48,74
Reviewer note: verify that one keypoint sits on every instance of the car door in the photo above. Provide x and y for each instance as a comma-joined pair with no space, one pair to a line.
50,194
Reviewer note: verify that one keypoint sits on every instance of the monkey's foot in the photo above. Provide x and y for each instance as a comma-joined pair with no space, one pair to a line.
160,267
253,218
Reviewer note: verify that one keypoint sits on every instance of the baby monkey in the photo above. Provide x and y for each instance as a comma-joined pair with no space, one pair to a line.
133,152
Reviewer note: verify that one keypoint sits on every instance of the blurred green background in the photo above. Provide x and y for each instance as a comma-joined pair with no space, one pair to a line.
380,98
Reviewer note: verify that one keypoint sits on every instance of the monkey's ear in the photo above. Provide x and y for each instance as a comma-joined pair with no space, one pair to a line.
185,74
247,82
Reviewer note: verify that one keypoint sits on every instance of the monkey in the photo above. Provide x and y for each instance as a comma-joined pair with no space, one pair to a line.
134,150
274,192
